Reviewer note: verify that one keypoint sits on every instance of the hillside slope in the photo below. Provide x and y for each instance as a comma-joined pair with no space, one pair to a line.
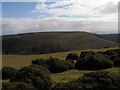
112,37
51,42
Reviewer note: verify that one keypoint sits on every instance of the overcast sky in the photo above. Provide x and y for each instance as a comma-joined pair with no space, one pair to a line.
95,16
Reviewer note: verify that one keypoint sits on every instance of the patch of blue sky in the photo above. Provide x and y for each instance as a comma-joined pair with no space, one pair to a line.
48,3
56,0
76,16
18,9
33,0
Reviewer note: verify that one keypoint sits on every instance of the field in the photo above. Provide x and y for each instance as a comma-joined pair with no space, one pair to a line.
19,61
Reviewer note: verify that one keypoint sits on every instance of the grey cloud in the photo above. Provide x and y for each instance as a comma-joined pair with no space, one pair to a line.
109,8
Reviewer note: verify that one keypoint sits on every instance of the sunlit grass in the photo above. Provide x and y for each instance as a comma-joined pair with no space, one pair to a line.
18,61
74,74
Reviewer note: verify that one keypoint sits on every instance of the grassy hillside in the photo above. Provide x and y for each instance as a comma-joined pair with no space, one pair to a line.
112,37
18,61
51,42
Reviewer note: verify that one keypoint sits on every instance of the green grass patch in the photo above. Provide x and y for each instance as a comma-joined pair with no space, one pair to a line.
74,74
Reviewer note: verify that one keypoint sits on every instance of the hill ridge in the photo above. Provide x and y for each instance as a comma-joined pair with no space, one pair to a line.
51,42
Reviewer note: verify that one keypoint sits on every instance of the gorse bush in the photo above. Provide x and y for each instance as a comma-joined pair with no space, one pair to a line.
72,56
73,85
116,62
8,72
56,65
70,60
17,86
93,62
99,79
24,74
86,53
102,79
112,53
37,75
40,62
42,82
41,68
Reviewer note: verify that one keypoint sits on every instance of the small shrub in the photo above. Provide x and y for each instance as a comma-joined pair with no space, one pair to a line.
86,53
17,85
70,60
102,79
56,65
93,62
116,62
43,82
112,53
37,75
74,85
40,62
8,72
72,56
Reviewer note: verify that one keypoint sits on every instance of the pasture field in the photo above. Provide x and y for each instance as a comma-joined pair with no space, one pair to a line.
19,61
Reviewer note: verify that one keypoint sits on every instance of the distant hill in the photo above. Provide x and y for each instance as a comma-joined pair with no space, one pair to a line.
51,42
112,37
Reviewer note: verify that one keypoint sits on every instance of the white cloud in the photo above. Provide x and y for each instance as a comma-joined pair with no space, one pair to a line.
24,25
81,8
96,16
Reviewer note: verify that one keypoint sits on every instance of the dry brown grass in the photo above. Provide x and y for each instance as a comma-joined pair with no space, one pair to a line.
18,61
